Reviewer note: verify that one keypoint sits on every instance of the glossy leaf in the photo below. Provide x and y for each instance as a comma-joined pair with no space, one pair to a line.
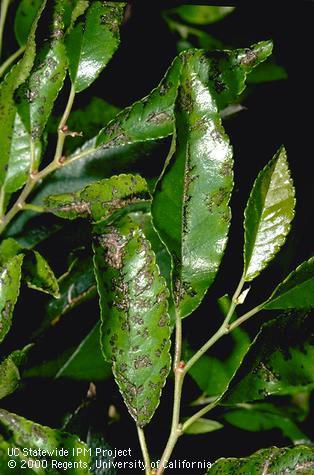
16,76
273,460
280,361
10,276
203,426
100,200
8,248
39,275
91,45
25,15
190,206
201,14
20,433
19,161
135,323
269,212
263,416
35,102
9,371
296,291
152,117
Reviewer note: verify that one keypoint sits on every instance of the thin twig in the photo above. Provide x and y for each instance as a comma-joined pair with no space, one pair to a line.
4,66
145,453
34,176
3,15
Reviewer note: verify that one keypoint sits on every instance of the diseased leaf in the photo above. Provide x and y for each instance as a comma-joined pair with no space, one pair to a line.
273,460
17,432
203,426
280,361
100,200
36,98
135,323
265,416
24,18
224,73
39,275
16,76
296,291
190,206
9,371
201,14
91,45
10,276
269,212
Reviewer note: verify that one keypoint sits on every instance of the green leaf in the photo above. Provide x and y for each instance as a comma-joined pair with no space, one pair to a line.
264,416
266,72
10,276
84,362
296,291
163,259
91,45
192,196
280,361
135,323
213,374
24,18
201,14
8,248
16,76
17,432
9,371
268,214
36,98
152,117
203,426
273,460
100,200
39,275
76,286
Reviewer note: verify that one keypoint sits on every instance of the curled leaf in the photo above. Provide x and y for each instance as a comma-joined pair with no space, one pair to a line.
190,206
100,200
39,275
